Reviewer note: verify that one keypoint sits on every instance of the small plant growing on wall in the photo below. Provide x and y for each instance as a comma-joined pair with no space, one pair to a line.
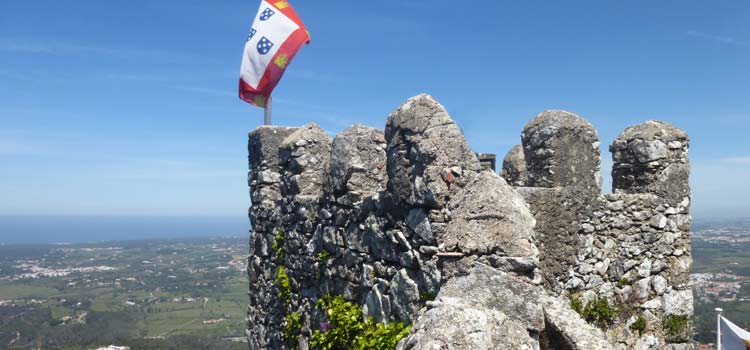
576,303
292,327
278,244
639,326
322,256
282,282
677,327
599,312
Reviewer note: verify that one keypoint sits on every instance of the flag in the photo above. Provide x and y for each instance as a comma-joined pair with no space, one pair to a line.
733,337
275,37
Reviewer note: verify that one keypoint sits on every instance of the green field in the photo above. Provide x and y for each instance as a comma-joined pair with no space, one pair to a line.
183,294
10,291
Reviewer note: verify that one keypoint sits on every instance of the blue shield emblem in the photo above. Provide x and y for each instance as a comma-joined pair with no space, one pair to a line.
266,14
252,33
264,46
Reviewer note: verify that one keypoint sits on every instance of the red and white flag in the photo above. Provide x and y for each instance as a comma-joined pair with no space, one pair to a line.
275,37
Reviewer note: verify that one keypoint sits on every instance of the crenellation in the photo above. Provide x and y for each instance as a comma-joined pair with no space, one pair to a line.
514,167
631,247
358,162
428,156
305,156
652,158
562,149
407,223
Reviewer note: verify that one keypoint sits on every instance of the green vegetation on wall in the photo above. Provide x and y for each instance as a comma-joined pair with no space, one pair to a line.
322,256
292,326
597,311
282,282
676,326
347,328
639,326
278,244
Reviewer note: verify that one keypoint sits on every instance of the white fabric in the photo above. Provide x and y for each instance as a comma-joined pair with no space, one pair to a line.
733,337
277,29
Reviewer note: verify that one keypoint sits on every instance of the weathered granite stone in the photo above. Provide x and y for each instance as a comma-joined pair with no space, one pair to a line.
405,295
561,149
566,330
420,224
374,305
678,302
642,232
307,155
489,216
423,141
488,296
358,161
659,284
263,145
459,327
488,288
263,150
644,162
514,167
556,211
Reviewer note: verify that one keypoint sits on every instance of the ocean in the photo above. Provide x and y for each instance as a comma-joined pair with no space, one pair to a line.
83,229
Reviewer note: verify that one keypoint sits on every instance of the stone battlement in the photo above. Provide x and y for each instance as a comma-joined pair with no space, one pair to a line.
409,224
631,247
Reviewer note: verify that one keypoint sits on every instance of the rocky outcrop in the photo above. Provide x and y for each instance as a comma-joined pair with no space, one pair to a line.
408,224
491,309
486,309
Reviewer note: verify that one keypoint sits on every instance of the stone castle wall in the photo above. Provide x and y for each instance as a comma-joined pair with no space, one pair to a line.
631,247
406,223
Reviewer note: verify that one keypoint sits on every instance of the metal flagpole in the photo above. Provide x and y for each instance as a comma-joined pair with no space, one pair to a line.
718,328
267,114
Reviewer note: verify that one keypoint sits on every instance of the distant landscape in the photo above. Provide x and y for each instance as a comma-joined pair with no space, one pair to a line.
721,274
191,293
150,295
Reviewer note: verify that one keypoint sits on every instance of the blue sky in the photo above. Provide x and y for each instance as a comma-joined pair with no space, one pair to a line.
130,108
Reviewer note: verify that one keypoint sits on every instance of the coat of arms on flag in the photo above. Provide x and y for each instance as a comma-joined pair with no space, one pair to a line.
276,35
